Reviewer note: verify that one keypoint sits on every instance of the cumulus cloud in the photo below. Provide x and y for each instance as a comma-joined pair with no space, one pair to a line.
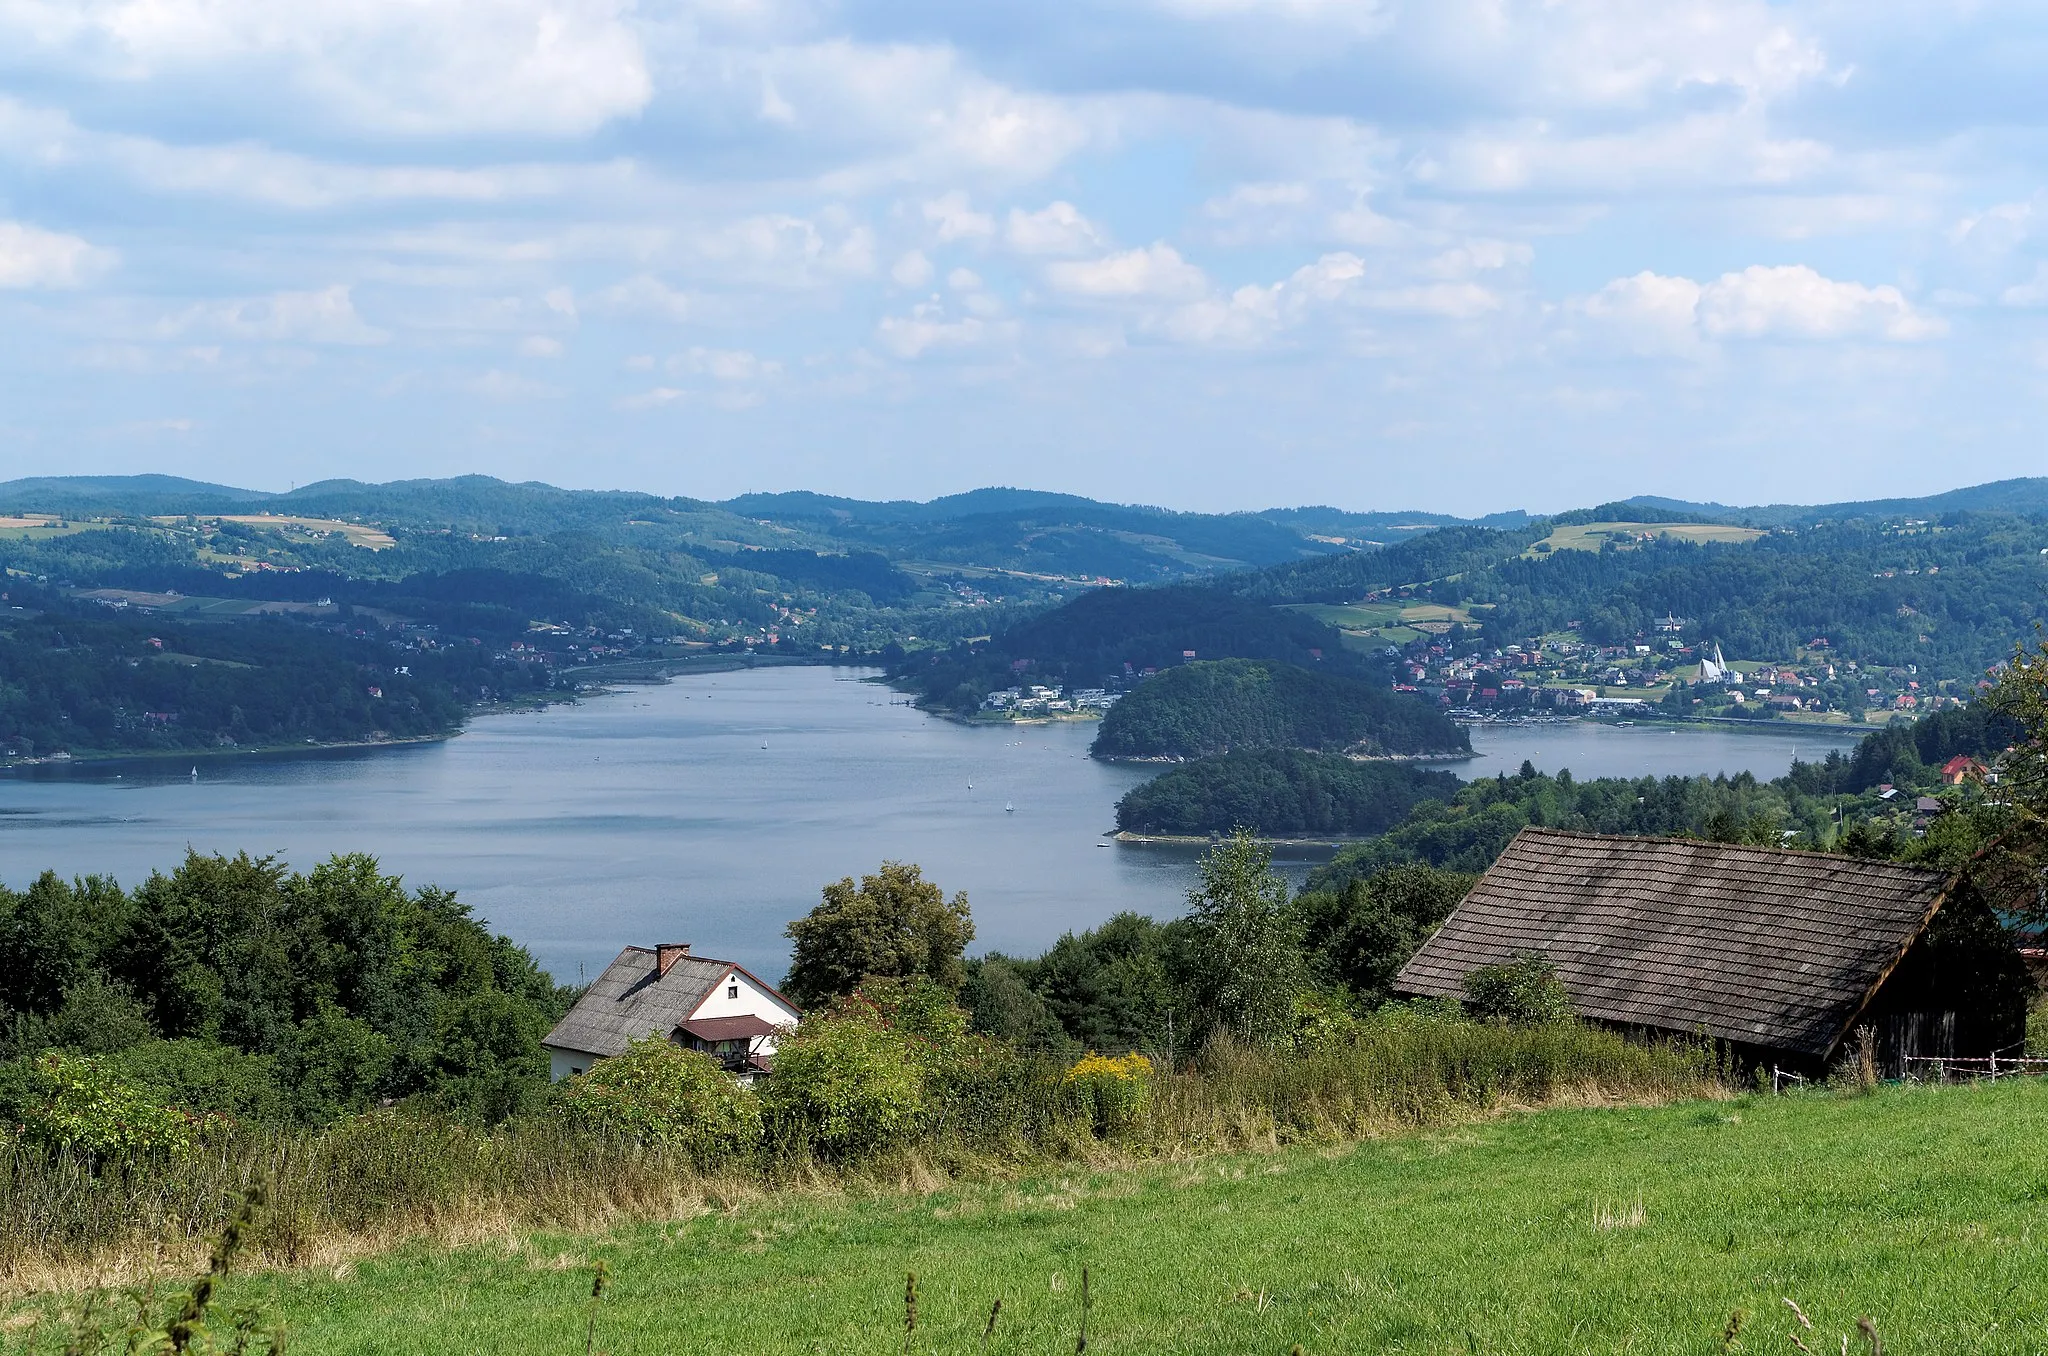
725,364
1154,272
953,219
1796,302
1655,312
33,257
432,67
327,316
928,327
912,270
1058,228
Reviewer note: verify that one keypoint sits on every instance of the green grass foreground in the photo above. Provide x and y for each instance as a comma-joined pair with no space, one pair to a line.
1557,1231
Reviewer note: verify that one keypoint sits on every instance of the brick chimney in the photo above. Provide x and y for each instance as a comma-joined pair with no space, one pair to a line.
666,955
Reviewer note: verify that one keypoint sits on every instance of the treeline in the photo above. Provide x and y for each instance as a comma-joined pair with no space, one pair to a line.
235,987
1279,793
1250,959
1207,708
77,678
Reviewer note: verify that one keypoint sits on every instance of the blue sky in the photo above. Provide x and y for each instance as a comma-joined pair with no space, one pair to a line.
1464,255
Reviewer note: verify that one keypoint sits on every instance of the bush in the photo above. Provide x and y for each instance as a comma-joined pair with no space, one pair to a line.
1522,992
659,1093
77,1102
845,1082
1114,1092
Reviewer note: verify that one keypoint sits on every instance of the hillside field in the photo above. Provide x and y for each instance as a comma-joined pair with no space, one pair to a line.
1592,536
1594,1230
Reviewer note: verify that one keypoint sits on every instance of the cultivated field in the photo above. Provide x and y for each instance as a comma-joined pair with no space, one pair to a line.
357,534
1599,1230
1593,536
1398,623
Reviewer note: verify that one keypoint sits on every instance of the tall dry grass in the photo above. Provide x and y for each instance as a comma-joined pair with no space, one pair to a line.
372,1181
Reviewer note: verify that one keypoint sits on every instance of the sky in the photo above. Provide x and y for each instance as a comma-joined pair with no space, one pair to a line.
1463,255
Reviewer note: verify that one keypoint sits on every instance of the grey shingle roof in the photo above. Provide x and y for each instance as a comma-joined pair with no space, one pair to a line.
1756,945
627,1003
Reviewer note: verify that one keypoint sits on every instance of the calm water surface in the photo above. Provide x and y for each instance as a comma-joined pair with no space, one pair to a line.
711,810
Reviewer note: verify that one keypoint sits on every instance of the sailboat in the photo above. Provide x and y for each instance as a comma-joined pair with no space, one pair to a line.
195,772
1009,808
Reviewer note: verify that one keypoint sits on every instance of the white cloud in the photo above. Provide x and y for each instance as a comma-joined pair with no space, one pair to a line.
1796,302
32,257
540,346
927,327
1154,272
1652,312
431,67
1052,230
1649,313
954,219
728,365
644,294
2032,292
327,316
912,270
963,280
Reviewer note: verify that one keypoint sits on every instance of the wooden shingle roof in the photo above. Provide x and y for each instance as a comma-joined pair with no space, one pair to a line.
1755,945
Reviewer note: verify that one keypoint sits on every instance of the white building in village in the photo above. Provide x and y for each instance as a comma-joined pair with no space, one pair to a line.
715,1006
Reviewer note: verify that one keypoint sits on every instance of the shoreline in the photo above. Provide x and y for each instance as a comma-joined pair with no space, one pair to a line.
660,671
1332,841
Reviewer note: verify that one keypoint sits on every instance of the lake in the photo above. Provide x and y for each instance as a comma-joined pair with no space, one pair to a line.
711,809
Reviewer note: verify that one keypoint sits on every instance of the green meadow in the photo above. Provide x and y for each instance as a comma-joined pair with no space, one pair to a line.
1580,1230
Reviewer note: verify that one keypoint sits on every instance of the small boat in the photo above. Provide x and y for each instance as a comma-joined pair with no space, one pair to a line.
195,774
970,786
1008,808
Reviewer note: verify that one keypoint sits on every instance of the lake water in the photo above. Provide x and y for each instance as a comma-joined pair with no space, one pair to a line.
712,809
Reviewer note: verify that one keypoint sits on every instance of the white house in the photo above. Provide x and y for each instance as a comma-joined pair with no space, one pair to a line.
714,1006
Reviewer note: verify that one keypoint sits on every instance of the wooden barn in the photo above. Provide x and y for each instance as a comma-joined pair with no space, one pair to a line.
1778,956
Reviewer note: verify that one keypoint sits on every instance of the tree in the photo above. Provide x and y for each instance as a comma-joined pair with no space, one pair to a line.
892,925
1251,967
1361,936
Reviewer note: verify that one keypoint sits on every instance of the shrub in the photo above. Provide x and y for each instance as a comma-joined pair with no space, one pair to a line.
1522,992
844,1082
660,1093
77,1102
1114,1092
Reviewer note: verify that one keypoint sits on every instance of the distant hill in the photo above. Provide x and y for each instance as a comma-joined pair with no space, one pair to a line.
2023,495
123,494
1206,708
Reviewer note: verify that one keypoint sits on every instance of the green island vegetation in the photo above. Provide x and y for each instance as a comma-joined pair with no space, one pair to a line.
341,1079
1216,706
1278,792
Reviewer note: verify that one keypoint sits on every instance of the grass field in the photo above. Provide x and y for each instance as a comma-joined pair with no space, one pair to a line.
37,526
1599,1230
1592,536
1385,623
357,534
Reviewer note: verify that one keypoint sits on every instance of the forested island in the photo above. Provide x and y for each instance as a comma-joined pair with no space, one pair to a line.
1213,707
1280,792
